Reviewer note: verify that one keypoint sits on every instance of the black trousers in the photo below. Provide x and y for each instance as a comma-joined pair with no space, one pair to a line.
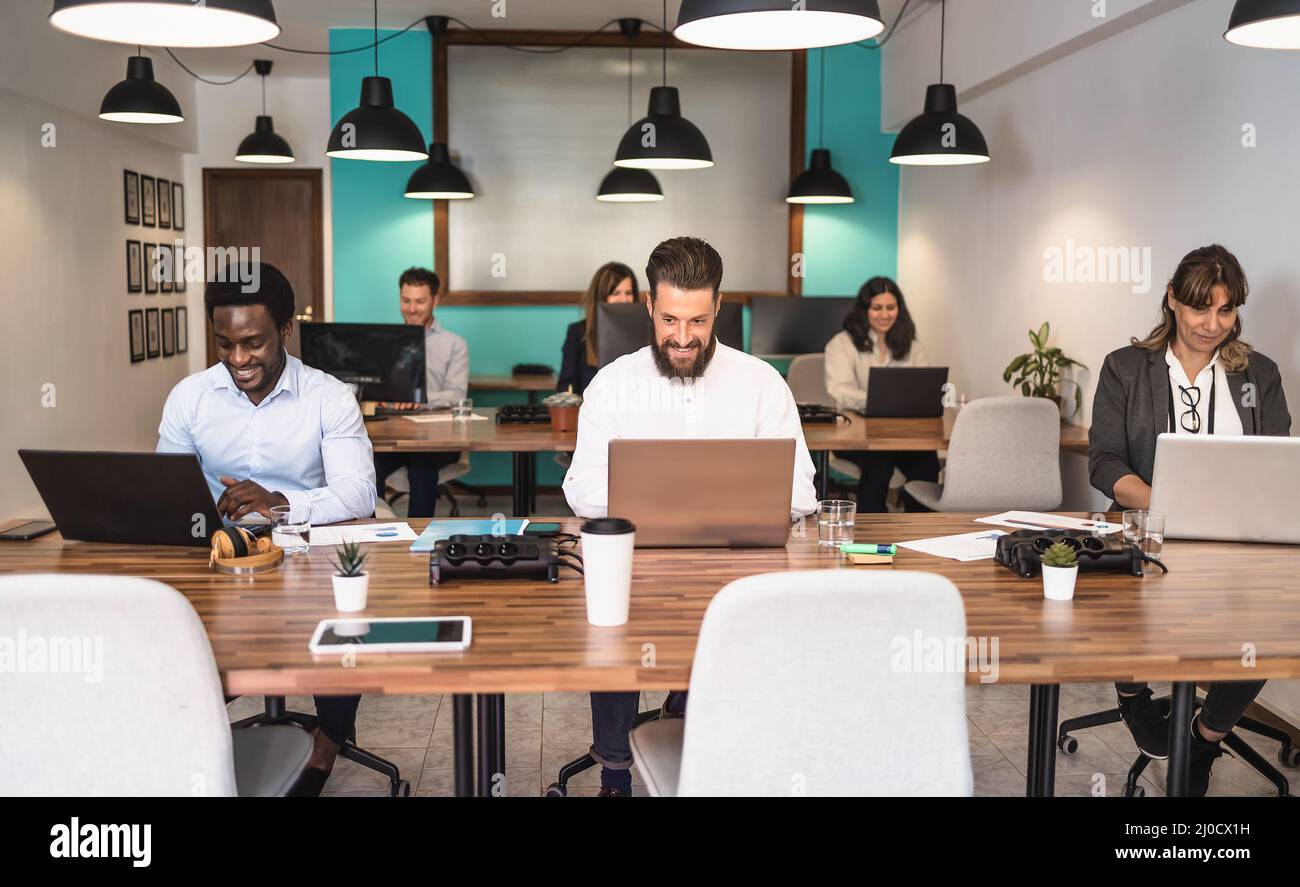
878,468
422,471
337,716
1225,702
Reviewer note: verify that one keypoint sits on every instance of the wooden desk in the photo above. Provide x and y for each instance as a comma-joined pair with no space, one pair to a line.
1186,626
396,434
530,384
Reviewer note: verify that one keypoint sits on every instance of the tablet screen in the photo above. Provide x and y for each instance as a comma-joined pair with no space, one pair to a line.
367,632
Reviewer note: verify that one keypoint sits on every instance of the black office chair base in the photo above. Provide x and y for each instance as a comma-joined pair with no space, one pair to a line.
1288,755
560,788
276,713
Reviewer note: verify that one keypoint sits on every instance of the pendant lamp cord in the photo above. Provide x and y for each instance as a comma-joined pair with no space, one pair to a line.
665,42
377,38
263,95
943,19
821,99
629,86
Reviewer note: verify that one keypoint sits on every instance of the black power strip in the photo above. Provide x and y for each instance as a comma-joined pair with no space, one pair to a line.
524,414
494,557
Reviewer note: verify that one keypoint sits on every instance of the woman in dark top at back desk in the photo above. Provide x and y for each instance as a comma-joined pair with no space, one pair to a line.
1192,375
612,282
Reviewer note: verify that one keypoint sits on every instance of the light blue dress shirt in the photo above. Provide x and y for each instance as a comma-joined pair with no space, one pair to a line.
306,439
446,366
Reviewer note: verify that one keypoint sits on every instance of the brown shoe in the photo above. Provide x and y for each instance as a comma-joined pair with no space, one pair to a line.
607,792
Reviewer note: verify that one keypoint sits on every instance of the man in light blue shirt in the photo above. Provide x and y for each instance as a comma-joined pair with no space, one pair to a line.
269,431
446,368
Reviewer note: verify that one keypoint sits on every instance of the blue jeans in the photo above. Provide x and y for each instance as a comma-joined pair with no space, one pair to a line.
613,715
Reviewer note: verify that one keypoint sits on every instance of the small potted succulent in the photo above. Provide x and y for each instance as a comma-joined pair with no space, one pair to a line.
564,410
1060,569
351,581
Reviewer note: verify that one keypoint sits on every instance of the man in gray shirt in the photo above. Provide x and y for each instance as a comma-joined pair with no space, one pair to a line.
446,360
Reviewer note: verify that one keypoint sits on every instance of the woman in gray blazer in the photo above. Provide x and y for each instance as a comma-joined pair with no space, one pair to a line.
1192,375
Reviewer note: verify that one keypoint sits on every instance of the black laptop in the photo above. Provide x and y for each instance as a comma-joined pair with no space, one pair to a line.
138,498
906,392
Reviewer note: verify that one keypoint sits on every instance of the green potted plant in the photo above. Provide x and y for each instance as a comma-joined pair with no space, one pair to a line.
351,581
1060,570
564,410
1038,373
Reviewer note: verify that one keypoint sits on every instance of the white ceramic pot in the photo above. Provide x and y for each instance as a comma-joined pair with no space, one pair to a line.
350,592
1058,582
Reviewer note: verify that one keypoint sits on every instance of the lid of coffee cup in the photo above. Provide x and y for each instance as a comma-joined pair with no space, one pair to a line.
608,526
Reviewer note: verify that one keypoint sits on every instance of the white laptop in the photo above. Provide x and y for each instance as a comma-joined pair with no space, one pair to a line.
1234,489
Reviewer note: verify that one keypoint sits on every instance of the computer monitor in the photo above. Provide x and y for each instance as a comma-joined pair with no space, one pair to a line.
385,359
795,324
625,328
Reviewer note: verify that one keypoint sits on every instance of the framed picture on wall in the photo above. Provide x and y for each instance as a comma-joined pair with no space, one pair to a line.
168,332
133,277
178,206
166,271
152,335
131,196
150,267
178,264
135,321
182,330
164,203
148,202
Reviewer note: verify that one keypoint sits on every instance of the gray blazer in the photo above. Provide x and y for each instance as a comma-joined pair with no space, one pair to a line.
1131,409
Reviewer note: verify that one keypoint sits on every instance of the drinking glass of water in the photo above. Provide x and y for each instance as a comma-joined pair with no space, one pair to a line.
290,535
1146,530
463,409
835,522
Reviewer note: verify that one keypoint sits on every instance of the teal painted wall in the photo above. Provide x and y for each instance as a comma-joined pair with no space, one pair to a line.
378,232
844,245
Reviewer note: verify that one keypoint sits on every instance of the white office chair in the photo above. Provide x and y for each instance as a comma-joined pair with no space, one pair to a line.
119,695
807,380
399,483
1005,453
806,683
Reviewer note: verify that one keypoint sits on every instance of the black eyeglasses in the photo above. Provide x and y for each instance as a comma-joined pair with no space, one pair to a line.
1191,420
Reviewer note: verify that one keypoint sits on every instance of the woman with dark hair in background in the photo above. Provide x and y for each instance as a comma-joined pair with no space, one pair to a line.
878,332
1191,375
612,282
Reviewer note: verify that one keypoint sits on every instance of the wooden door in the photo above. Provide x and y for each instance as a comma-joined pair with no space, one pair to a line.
279,211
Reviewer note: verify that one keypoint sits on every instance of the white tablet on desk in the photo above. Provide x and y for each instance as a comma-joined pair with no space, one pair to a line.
397,634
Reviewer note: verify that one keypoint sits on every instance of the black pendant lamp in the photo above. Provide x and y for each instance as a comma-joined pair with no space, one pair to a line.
940,136
375,129
439,178
264,144
1265,24
139,98
664,139
187,23
622,185
819,183
777,24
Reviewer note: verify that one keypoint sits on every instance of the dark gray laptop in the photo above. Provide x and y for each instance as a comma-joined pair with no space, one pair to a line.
138,498
906,392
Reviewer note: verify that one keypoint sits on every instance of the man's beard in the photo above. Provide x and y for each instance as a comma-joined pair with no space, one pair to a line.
670,370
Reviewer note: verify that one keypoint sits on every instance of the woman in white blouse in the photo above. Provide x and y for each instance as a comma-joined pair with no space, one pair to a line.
878,332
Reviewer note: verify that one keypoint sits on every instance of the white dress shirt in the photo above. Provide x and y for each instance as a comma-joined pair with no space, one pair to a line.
738,396
446,366
1226,418
306,439
848,369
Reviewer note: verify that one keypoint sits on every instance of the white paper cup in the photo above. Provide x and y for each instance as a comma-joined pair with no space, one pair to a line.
607,544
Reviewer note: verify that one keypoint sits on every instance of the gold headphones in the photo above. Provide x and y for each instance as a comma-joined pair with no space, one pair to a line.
236,550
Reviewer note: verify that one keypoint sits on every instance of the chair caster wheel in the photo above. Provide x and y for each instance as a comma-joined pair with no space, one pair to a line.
1136,792
1289,756
555,790
1068,744
401,790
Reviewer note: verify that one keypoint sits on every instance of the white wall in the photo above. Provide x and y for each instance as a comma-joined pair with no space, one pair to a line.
63,245
1131,140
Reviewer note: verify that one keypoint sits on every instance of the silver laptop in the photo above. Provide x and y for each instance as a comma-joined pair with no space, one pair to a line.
1234,489
703,493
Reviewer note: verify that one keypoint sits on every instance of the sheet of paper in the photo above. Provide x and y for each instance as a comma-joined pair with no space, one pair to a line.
443,417
1037,520
441,529
391,531
963,547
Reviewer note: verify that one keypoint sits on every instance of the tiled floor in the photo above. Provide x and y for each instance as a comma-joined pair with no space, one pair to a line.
544,731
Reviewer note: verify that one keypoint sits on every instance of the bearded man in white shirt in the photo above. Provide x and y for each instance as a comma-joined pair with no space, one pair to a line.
685,384
270,431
